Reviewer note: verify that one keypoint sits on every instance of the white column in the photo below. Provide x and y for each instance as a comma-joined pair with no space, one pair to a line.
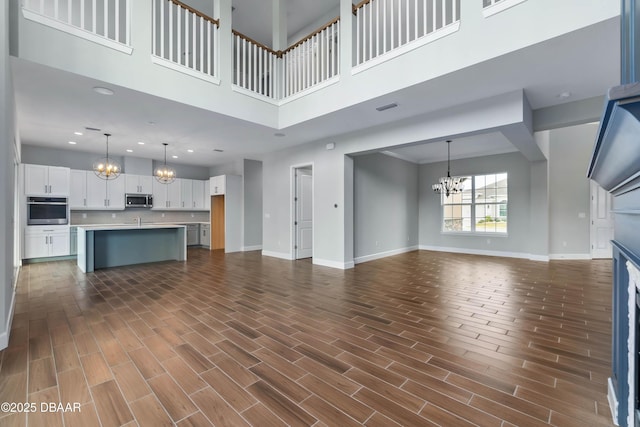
222,12
345,37
279,42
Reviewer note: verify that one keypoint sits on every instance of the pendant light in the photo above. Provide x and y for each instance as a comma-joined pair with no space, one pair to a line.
165,174
105,167
448,185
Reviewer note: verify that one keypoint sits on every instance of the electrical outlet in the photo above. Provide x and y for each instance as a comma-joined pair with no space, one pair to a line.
84,215
113,215
163,215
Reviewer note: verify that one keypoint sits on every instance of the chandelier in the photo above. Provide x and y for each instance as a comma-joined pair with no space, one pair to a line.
448,185
165,174
106,168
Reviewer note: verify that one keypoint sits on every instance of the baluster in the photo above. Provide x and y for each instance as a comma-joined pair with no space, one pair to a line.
384,26
194,42
55,9
127,29
94,19
424,16
252,71
433,14
336,31
41,9
237,60
244,63
162,48
209,24
69,7
454,11
179,33
170,44
377,27
370,39
154,27
358,41
82,14
444,13
187,39
116,29
106,18
202,22
415,21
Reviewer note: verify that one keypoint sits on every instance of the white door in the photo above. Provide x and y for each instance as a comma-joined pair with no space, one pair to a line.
601,222
304,213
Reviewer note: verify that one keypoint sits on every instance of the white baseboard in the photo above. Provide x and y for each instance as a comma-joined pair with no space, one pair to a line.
484,252
4,335
384,254
570,256
251,248
281,255
333,264
613,401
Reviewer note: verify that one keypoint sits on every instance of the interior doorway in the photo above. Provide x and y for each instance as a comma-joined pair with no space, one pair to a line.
601,222
303,212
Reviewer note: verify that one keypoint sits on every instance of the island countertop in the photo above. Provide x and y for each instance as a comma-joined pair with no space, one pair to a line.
104,227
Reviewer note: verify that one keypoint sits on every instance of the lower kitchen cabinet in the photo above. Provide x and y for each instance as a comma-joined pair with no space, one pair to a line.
46,241
205,235
193,234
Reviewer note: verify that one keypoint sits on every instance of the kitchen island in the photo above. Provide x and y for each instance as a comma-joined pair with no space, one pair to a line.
103,246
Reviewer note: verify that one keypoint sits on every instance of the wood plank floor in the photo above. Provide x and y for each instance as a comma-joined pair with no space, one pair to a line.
418,339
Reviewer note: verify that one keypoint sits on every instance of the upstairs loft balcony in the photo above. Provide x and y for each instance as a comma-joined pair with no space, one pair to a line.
173,36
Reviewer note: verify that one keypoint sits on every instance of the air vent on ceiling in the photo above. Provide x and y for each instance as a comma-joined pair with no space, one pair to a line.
217,150
387,107
92,129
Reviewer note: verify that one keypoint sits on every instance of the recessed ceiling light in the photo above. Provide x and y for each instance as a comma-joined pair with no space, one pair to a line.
564,95
279,134
140,143
189,151
129,150
103,90
175,157
72,142
78,133
387,107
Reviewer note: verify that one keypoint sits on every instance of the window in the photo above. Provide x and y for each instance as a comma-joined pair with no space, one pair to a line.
481,207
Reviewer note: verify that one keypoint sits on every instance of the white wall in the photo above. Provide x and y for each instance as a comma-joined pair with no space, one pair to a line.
385,205
8,157
252,181
569,190
516,242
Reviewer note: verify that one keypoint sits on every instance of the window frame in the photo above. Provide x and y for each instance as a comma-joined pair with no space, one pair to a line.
499,206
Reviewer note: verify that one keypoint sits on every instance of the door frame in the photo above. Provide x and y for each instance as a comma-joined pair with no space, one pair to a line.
593,188
292,208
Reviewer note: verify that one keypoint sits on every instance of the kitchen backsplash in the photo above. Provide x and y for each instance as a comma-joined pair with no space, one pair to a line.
130,215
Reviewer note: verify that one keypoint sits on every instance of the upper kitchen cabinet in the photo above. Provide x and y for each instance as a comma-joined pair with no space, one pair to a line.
104,194
217,185
199,194
78,192
138,184
167,196
42,180
186,193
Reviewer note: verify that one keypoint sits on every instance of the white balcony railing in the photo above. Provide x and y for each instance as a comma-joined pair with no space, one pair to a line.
385,25
255,66
312,60
185,39
103,21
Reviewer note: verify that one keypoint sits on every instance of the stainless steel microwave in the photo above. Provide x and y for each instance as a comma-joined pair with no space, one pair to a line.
47,211
138,201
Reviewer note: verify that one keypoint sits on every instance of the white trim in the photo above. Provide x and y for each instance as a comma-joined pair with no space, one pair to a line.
634,286
281,255
613,401
251,248
384,254
4,335
290,98
252,94
415,44
334,264
570,256
333,80
76,31
185,70
484,252
499,7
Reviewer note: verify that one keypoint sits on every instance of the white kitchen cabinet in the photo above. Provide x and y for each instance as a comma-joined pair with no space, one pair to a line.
138,184
207,195
167,196
218,185
198,194
40,180
186,193
78,189
46,241
105,194
205,234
